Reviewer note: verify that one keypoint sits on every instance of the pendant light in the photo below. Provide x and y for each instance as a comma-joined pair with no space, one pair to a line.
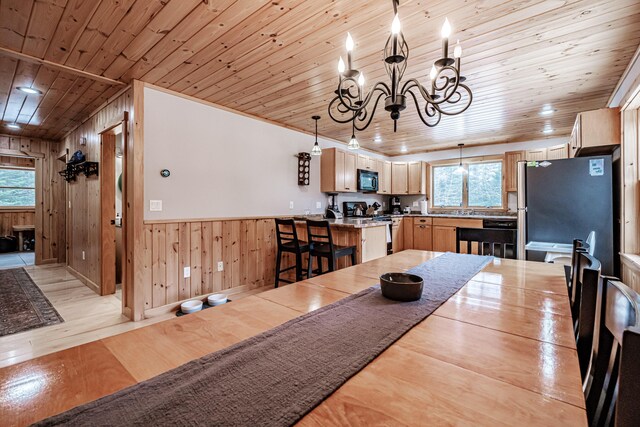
353,142
460,169
316,150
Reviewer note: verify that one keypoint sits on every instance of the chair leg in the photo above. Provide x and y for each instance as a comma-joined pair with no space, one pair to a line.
310,266
332,263
298,266
353,258
278,260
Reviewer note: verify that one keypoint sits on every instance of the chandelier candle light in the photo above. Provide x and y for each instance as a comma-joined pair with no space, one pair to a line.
446,93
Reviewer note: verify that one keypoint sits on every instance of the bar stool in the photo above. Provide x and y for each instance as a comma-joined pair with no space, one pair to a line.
288,242
322,246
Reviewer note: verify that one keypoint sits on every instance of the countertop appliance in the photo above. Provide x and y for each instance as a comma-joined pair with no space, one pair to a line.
333,212
566,199
508,224
367,180
354,208
394,206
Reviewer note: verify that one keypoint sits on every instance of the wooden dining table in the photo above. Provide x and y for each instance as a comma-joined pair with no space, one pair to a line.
499,352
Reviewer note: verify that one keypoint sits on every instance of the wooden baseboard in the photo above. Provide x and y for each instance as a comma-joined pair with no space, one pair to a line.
88,282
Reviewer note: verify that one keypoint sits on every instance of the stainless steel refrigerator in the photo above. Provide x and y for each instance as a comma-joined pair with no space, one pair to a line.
560,200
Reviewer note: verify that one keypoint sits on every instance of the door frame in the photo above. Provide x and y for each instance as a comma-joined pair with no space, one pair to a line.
107,209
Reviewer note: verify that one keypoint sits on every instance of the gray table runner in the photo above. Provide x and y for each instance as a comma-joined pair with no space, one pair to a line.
276,377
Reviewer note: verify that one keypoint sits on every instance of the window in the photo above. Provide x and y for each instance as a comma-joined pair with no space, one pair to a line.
479,188
17,187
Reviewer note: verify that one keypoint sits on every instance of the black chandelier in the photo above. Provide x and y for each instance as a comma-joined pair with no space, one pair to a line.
446,93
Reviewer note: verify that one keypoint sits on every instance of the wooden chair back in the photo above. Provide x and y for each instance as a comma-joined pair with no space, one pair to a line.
583,307
491,241
570,270
319,233
612,387
287,236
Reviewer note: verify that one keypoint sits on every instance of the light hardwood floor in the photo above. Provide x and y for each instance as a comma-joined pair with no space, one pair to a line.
87,317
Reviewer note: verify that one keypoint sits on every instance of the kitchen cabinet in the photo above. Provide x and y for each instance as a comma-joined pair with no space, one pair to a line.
444,232
558,152
399,178
407,232
337,171
422,234
595,132
417,178
538,154
384,176
367,163
397,235
511,159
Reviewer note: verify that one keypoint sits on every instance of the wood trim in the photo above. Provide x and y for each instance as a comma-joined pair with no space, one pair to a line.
20,153
88,282
474,159
17,209
107,213
64,68
134,206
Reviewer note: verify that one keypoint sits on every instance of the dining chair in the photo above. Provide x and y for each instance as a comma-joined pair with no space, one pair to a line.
612,387
491,241
583,307
569,270
322,246
288,242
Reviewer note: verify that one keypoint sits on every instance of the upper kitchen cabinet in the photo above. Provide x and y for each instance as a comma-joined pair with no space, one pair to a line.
384,176
367,163
337,171
539,154
409,178
558,152
511,159
399,178
418,178
595,132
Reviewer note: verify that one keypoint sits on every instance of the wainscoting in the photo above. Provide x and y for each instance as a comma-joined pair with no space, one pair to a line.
246,247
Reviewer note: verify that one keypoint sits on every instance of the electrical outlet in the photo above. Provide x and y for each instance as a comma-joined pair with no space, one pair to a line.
291,205
318,205
187,272
220,265
69,204
155,205
83,256
384,204
416,204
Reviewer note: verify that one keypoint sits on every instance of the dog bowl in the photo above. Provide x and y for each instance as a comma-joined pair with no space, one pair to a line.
401,286
216,299
191,306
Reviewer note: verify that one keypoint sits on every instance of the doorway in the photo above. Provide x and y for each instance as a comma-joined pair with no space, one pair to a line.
112,223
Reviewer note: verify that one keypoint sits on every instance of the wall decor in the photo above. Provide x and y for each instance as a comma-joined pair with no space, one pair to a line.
304,164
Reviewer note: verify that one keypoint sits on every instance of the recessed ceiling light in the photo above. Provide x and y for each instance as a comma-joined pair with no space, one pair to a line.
12,125
547,130
29,90
403,149
547,112
377,139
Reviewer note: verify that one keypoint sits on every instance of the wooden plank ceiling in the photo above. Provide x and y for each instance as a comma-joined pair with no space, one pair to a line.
277,60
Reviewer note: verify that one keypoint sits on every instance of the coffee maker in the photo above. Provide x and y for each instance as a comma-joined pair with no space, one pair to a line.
333,211
394,205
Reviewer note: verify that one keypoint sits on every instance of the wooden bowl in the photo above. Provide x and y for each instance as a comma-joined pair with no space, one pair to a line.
401,286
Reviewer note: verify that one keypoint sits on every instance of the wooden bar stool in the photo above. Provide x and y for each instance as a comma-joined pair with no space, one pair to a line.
288,241
322,246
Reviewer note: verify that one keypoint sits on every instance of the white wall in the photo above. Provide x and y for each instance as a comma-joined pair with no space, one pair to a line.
225,164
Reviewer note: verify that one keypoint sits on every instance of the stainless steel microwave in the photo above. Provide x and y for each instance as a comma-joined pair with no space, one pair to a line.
367,180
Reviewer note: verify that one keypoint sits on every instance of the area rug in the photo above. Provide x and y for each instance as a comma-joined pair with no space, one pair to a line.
275,378
23,306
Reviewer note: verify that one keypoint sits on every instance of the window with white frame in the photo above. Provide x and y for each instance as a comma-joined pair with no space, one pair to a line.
477,185
17,187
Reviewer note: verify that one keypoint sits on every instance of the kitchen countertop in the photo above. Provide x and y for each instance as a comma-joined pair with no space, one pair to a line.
470,216
352,222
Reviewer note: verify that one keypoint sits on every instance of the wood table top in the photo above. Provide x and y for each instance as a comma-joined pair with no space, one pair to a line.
499,352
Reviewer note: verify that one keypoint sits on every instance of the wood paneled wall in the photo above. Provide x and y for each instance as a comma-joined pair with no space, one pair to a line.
13,217
84,193
247,248
49,216
21,162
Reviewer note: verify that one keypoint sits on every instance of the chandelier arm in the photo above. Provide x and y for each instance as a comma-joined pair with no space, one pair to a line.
436,112
468,104
343,108
373,113
381,86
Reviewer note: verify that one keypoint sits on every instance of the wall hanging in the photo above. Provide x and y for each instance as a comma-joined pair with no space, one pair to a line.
304,163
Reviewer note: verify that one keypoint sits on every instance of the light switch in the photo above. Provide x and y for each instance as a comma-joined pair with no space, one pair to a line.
220,265
155,205
291,205
187,272
318,205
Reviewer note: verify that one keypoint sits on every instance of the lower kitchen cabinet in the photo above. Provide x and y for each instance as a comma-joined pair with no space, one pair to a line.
397,235
444,238
422,237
